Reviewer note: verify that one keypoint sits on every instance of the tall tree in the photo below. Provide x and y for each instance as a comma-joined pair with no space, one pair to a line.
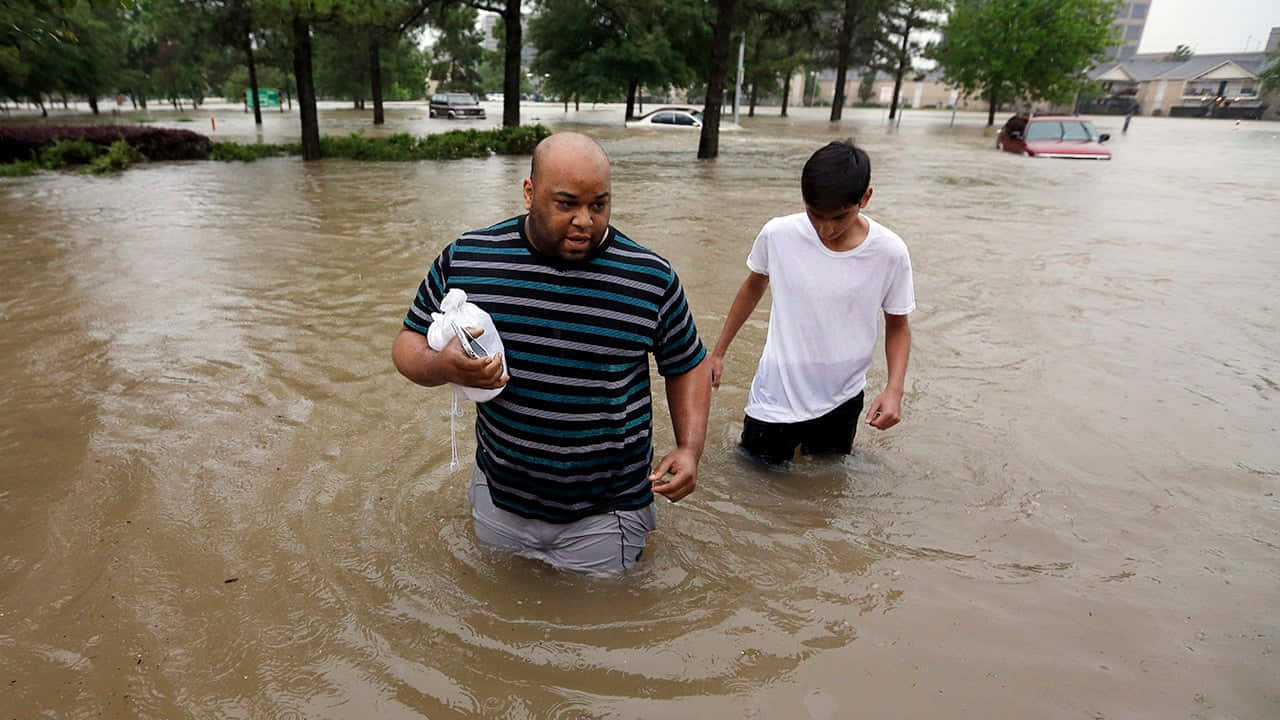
303,72
901,18
457,55
383,24
607,48
717,66
1271,76
509,11
855,31
1009,50
780,35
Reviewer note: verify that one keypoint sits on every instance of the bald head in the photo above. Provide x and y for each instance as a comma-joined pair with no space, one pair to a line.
568,197
568,148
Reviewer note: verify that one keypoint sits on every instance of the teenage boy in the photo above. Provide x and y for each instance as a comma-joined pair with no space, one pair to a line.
833,270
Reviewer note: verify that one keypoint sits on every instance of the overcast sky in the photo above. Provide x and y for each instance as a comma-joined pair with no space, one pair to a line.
1209,26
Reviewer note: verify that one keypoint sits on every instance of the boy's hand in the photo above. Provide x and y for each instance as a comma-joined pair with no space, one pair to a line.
717,367
886,410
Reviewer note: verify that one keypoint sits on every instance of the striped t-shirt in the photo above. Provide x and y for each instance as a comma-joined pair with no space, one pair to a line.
571,435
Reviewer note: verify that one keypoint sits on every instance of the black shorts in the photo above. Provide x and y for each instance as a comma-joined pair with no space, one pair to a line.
831,434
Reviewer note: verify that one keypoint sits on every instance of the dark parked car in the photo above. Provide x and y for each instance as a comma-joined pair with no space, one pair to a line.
1053,136
455,105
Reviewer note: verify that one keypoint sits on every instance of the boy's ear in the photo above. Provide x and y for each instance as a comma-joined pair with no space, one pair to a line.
866,198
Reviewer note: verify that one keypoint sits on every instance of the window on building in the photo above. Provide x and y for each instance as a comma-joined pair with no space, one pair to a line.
1128,51
1139,11
1133,32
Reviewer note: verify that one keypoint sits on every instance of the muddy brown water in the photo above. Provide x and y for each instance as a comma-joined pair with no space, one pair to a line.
221,501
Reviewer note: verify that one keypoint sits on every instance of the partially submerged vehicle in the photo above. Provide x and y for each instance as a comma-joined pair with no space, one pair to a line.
1053,136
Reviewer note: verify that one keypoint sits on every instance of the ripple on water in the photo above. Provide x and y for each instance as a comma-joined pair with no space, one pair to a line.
727,595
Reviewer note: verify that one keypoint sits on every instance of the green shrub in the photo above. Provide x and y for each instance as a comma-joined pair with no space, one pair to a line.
400,147
69,152
519,140
118,157
235,152
19,168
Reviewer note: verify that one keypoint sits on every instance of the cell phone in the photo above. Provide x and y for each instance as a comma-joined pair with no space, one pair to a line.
471,346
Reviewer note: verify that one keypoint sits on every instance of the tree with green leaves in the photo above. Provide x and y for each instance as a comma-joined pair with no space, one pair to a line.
457,55
855,28
780,36
384,25
610,48
1181,52
1270,77
1011,50
901,18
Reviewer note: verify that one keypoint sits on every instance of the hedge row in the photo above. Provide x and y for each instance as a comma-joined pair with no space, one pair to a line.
26,143
24,150
444,146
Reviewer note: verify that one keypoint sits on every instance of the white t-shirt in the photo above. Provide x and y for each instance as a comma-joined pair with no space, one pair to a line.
825,316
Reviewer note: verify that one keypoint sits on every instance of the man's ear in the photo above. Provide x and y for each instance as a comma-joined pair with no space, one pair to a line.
866,198
528,193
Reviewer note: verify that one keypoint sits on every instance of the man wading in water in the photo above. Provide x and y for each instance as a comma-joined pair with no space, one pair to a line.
564,455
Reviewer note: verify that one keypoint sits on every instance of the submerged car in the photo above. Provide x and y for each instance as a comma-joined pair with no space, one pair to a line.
669,118
1053,136
455,105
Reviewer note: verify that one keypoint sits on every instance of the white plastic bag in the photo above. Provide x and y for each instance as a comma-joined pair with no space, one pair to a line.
466,315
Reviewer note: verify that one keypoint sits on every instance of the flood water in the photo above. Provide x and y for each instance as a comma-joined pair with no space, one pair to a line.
221,501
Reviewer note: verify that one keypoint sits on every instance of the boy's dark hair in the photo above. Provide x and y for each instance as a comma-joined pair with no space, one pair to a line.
835,176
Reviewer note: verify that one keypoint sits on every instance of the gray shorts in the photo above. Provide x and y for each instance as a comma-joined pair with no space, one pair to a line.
605,542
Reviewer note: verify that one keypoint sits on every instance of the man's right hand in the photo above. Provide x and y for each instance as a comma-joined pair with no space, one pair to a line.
485,372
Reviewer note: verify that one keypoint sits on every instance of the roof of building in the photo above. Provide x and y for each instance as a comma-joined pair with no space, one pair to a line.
1155,66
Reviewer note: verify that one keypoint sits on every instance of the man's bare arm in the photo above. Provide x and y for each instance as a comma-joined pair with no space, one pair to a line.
415,359
689,399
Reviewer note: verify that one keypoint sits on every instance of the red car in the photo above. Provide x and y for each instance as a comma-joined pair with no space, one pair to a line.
1055,136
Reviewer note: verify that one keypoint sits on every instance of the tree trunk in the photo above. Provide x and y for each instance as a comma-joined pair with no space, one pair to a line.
631,99
142,98
511,66
751,109
306,88
709,141
897,89
375,82
93,103
576,106
843,52
786,92
903,59
253,73
991,112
